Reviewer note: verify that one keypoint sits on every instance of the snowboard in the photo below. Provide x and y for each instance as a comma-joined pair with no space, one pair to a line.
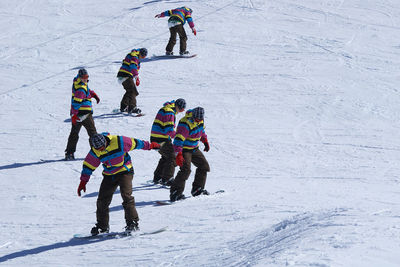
166,57
175,56
119,234
168,202
117,111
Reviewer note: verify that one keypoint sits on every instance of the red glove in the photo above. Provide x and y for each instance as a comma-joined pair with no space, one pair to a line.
179,159
154,145
96,97
206,145
74,119
194,31
82,186
137,81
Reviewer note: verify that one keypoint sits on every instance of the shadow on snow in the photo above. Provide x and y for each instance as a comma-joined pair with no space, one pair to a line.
33,251
42,161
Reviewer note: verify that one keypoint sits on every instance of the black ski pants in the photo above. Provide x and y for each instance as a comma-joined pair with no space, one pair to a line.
106,192
73,138
166,165
202,167
177,30
129,98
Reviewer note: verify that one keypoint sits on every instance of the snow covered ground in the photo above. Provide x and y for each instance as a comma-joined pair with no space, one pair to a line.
302,108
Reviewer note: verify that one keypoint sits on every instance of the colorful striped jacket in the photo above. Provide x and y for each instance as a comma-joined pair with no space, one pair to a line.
115,157
183,14
130,65
81,102
164,124
188,133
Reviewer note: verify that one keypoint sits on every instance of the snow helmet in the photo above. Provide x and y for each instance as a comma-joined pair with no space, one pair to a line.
97,141
143,52
83,73
198,113
180,103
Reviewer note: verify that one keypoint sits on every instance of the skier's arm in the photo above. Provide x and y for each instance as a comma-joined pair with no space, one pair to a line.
164,14
89,165
134,65
130,144
94,95
181,133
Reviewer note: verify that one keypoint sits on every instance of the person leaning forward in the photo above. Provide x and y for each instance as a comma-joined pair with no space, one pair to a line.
112,152
162,132
129,71
177,18
189,132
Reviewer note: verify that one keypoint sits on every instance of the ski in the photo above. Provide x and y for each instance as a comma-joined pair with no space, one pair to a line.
119,234
168,202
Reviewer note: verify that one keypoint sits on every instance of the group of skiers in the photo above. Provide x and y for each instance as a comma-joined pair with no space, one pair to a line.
177,145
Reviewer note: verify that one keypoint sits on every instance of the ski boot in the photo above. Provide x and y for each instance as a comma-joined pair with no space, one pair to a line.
69,156
175,196
199,191
168,53
131,226
184,53
167,182
157,180
135,110
97,230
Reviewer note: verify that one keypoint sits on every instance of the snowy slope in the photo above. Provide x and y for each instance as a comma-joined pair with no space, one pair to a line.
301,101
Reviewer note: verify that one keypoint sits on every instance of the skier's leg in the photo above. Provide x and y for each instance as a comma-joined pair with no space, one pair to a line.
130,95
88,123
73,138
202,167
182,38
172,39
178,185
159,170
125,185
106,191
129,99
168,153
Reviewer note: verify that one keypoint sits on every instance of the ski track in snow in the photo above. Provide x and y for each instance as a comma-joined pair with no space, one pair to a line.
275,240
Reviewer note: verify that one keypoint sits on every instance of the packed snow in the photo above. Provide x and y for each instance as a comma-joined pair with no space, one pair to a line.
302,105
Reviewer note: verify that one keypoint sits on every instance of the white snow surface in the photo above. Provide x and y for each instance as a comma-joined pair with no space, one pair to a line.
302,107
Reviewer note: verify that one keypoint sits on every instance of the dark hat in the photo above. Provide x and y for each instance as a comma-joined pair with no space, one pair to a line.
83,73
143,52
97,141
198,113
180,103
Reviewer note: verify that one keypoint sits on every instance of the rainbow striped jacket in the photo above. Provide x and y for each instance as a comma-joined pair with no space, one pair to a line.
164,124
183,14
188,133
115,157
81,102
130,65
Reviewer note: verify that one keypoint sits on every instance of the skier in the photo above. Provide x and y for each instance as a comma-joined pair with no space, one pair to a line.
162,131
112,151
178,18
130,70
186,146
81,111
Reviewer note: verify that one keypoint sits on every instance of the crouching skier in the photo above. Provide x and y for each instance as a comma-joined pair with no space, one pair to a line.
112,151
189,132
